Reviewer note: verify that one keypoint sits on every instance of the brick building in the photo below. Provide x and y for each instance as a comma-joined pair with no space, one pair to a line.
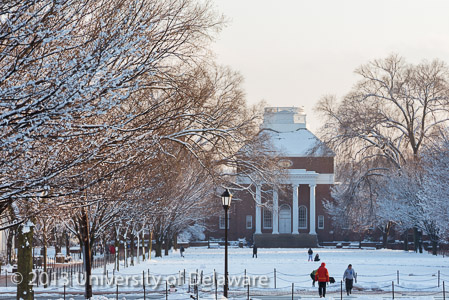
292,216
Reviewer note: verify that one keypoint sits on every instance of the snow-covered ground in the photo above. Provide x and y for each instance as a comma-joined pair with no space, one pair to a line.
419,274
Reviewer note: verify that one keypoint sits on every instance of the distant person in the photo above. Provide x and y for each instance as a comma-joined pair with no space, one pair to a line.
312,275
348,277
181,250
317,257
254,250
310,252
322,276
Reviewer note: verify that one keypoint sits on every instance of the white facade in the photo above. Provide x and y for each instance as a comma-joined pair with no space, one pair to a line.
290,137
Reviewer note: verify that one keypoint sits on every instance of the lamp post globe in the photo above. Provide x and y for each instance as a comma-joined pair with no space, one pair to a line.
226,198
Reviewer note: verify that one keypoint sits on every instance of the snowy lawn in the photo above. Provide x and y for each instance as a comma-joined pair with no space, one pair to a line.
376,269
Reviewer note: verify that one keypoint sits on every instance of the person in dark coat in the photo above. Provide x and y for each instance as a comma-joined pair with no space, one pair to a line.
181,250
348,278
254,250
310,252
322,276
317,257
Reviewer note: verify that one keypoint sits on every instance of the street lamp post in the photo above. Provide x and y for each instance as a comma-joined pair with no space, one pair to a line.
226,200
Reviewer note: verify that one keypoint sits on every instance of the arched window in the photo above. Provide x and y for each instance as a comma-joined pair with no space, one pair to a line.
302,217
267,219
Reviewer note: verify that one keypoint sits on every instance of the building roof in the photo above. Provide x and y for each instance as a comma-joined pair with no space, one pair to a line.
288,133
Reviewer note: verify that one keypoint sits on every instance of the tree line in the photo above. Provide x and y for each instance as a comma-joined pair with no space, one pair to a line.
390,134
116,120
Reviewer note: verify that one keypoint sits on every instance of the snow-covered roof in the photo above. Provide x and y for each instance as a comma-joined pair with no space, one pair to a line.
286,127
284,118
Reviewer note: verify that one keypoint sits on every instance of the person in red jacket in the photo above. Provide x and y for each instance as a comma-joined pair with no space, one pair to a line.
322,276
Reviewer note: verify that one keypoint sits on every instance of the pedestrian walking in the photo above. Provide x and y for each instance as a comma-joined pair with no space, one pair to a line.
322,276
312,275
254,250
348,276
317,257
310,252
181,250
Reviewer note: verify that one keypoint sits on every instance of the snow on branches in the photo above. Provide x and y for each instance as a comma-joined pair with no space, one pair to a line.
379,131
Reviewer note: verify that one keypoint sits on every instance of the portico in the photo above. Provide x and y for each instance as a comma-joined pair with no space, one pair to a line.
292,218
285,217
290,214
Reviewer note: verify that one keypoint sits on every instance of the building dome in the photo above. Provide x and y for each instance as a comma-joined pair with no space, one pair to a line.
286,127
284,119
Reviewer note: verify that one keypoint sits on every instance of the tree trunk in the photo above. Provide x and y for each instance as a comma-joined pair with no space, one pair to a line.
143,245
434,247
92,244
415,239
9,245
175,242
420,242
384,239
406,240
167,246
131,248
117,254
150,245
57,247
125,246
57,242
45,262
105,255
385,234
158,248
138,248
87,256
67,244
25,262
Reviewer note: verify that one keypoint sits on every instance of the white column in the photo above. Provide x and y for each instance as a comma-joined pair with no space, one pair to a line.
275,212
258,210
312,208
295,208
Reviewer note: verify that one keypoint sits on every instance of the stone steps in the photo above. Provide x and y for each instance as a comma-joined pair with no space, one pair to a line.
302,240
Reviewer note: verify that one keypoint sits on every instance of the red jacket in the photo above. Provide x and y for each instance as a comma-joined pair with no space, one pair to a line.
322,275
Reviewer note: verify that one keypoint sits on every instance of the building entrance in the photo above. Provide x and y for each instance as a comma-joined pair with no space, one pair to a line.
285,219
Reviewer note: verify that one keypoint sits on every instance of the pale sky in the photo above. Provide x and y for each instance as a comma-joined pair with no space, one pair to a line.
291,53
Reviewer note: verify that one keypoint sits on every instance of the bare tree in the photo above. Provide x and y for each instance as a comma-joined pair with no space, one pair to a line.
95,91
77,59
382,124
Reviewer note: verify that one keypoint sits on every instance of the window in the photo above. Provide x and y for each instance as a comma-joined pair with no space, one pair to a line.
345,224
320,222
267,219
302,217
221,222
249,222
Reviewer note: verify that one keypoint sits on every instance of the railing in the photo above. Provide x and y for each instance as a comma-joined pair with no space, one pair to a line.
69,280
